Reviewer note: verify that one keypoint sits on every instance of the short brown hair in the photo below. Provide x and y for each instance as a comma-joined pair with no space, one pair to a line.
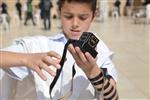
92,3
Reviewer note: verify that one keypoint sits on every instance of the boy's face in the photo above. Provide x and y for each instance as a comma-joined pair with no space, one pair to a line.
76,18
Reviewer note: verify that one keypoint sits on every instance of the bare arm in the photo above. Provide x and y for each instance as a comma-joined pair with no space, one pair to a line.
105,86
10,59
35,61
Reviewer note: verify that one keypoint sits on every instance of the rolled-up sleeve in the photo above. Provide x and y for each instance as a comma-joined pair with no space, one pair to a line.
111,70
105,60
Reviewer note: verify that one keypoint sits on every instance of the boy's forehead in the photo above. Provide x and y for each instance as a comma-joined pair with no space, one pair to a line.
89,3
75,1
75,4
76,8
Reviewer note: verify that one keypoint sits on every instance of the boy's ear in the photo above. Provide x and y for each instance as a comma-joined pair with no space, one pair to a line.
96,13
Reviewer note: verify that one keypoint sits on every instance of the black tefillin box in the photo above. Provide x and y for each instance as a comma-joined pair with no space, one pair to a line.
87,43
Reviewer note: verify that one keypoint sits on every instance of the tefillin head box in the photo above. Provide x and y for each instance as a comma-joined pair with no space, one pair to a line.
87,43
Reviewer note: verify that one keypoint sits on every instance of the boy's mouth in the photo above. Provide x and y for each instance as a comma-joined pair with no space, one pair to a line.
75,33
75,30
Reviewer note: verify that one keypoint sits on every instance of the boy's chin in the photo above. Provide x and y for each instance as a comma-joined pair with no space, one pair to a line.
75,37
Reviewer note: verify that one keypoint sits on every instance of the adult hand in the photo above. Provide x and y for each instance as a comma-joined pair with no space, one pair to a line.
39,61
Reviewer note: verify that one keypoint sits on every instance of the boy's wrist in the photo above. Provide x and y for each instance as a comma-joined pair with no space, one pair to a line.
24,59
92,72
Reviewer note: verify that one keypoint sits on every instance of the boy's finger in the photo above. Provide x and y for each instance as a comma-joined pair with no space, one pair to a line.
71,48
39,72
89,57
73,52
54,54
51,61
80,54
46,68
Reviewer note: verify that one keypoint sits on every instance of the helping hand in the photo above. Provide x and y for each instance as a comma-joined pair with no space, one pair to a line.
38,61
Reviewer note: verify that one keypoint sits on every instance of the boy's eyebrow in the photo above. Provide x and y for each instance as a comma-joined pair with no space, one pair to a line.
67,13
84,14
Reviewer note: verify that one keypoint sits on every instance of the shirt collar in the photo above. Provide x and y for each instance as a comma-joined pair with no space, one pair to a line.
59,37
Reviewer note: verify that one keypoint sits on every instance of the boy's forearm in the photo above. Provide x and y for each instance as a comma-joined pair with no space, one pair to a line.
10,59
103,85
92,72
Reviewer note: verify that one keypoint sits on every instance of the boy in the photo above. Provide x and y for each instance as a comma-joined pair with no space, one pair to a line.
76,17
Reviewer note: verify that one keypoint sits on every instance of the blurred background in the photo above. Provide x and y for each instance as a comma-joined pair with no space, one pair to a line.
124,25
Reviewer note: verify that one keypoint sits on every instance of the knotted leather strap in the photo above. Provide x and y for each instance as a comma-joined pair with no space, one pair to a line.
59,70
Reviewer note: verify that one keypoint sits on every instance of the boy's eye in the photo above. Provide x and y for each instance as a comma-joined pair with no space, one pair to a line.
68,16
83,17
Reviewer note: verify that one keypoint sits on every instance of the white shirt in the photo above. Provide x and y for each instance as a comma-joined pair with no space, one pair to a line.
81,85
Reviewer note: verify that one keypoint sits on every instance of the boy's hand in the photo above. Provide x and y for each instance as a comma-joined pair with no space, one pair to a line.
38,61
84,60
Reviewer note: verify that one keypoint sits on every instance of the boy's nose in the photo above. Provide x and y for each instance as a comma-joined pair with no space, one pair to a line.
75,23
